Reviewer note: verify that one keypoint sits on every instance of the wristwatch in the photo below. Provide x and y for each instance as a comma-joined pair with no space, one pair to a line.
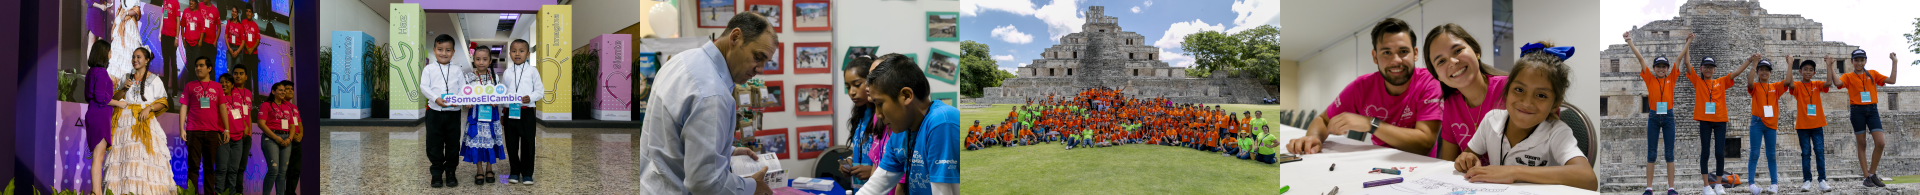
1376,125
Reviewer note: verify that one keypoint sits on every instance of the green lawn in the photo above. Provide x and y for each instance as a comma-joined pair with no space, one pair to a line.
1131,169
1896,179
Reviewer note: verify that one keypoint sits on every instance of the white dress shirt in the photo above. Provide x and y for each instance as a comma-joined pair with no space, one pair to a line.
437,79
524,80
687,139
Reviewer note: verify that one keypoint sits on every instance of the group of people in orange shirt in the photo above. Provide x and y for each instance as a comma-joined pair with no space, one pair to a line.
1710,111
1104,117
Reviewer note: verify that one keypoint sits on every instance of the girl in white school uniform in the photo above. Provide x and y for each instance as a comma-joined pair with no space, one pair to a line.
1526,142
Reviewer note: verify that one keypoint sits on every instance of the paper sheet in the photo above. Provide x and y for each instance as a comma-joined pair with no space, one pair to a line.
1447,185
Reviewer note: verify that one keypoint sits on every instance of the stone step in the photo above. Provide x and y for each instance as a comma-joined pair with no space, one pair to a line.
1839,182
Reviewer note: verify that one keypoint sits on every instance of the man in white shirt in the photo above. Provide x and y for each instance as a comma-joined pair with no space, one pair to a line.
687,140
522,79
443,121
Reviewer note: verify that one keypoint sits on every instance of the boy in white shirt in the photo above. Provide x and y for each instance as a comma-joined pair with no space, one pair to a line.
521,78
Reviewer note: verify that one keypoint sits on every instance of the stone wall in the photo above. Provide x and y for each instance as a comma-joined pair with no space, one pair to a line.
1102,55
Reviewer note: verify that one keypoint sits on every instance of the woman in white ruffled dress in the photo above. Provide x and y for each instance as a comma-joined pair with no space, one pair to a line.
137,163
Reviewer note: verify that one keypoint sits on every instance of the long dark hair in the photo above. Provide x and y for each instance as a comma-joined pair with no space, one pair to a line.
859,67
1486,71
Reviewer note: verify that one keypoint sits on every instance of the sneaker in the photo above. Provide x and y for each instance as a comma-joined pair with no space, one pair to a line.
1670,191
1824,187
1868,180
1720,188
1807,185
1707,190
513,179
1649,192
1753,188
1774,188
527,180
1879,182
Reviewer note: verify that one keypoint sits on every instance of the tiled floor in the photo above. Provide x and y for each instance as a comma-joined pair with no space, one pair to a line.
391,160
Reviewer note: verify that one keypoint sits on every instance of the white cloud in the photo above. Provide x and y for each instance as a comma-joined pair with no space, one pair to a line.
1149,4
1019,7
1062,17
1011,35
1002,57
1253,13
1170,42
1023,64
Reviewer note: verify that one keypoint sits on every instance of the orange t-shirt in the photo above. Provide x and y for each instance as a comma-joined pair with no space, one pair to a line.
1658,89
1710,97
1862,87
1812,113
1766,101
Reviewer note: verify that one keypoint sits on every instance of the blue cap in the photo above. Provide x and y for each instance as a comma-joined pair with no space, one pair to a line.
1708,61
1859,53
1767,64
1659,61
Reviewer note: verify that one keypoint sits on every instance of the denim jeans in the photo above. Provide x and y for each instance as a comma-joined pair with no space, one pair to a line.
1813,145
231,159
1713,144
1659,126
1760,136
276,157
1866,118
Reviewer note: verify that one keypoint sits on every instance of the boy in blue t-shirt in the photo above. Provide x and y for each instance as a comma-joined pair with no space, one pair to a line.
928,154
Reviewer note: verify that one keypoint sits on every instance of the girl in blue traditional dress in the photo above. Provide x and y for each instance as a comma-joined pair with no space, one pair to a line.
482,144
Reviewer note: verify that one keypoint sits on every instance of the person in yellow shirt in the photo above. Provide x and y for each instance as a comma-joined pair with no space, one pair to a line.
1862,88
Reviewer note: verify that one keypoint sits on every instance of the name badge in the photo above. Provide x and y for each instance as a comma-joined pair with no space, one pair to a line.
513,111
1866,96
1768,110
283,124
1812,111
234,112
204,102
1662,108
1710,108
485,112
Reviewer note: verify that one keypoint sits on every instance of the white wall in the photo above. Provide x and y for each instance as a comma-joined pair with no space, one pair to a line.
1324,75
1565,22
350,16
593,18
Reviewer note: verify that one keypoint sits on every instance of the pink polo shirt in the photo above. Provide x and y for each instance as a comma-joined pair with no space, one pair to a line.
1368,96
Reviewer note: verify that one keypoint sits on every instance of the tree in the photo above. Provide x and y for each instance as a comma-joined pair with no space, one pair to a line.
1913,39
1254,52
978,70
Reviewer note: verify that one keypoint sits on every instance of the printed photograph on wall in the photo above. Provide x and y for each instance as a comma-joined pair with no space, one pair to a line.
813,99
775,66
812,15
772,141
857,51
768,8
951,98
941,26
813,140
715,13
941,65
812,57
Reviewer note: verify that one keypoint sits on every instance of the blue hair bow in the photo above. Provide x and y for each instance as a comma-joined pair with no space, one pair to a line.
1562,52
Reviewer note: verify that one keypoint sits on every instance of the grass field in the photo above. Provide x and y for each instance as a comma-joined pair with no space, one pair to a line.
1130,169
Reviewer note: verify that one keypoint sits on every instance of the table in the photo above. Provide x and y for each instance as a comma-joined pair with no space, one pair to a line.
1352,159
835,191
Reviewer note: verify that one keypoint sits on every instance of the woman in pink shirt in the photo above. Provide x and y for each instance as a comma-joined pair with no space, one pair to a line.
238,106
1467,90
282,120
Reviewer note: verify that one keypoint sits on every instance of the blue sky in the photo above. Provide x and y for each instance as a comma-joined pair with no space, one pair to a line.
1018,30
